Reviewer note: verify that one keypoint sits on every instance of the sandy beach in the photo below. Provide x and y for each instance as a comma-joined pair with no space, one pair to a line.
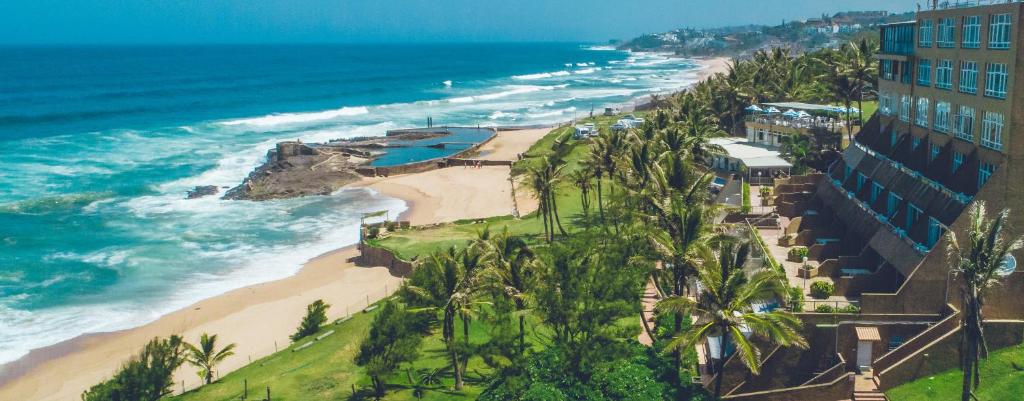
259,318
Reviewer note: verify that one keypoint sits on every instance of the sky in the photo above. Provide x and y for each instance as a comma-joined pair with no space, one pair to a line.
374,21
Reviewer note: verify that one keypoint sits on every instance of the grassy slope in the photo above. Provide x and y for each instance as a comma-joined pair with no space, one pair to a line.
326,371
1000,380
417,242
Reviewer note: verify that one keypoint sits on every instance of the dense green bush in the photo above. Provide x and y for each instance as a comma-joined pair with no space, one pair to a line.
824,309
796,299
316,316
822,289
848,309
797,253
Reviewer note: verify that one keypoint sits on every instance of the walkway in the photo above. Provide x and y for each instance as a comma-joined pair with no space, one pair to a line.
648,301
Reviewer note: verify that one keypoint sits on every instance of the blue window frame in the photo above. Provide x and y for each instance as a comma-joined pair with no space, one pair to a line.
876,191
893,205
935,231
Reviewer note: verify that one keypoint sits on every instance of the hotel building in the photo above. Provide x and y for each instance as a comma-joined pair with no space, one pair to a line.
945,136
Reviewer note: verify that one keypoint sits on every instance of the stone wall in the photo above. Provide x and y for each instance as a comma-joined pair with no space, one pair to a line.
944,353
838,389
373,256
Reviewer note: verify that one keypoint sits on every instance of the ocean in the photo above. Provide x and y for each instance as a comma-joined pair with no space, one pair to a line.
99,144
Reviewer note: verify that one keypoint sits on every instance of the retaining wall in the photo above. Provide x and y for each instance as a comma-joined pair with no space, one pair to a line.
373,256
838,389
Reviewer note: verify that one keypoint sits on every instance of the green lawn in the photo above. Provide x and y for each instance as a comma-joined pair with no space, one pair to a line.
1002,378
326,371
417,242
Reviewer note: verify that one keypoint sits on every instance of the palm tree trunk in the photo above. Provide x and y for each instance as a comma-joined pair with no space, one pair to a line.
456,366
554,211
522,334
600,205
724,344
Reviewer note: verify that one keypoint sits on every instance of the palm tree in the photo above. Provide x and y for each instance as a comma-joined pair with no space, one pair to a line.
604,155
513,267
860,66
544,180
581,179
442,284
724,309
206,356
978,265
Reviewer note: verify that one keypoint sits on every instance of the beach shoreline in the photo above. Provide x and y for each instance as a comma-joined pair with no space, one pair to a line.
259,317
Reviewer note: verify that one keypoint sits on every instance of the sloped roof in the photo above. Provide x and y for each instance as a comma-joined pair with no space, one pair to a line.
751,154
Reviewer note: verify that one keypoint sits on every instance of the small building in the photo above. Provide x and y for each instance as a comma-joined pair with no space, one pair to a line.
757,163
585,131
611,111
627,122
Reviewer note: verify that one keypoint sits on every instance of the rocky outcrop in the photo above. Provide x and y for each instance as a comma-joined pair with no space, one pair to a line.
296,169
201,191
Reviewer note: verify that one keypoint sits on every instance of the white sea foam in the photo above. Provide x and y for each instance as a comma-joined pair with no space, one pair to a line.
502,115
291,118
447,84
543,75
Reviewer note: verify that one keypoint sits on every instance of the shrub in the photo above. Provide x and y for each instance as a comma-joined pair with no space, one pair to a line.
316,316
746,198
766,193
824,309
373,232
148,375
797,253
849,309
822,289
796,299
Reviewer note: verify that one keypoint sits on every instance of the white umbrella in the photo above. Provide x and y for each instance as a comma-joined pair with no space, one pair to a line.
803,114
772,110
754,109
790,113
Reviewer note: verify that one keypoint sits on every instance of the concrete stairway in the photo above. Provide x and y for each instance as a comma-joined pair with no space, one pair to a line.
648,300
866,389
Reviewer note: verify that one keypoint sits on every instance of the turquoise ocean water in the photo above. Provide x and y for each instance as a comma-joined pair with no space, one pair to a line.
99,144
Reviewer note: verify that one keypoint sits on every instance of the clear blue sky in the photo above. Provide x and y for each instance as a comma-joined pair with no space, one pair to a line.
285,21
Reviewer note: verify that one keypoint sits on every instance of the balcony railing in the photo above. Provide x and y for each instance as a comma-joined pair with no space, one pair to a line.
946,5
799,123
960,197
884,220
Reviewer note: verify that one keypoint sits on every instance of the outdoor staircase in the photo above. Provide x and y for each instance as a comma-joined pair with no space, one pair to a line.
866,389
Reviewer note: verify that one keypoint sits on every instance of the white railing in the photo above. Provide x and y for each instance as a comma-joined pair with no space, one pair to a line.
946,5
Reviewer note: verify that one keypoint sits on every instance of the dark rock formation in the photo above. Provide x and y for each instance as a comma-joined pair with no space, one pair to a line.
203,190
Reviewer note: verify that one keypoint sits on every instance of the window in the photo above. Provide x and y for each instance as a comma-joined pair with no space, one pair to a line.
847,172
969,77
915,142
947,32
921,117
995,80
861,179
935,231
892,205
958,160
935,152
972,32
905,108
886,70
876,190
913,214
898,39
906,75
924,72
885,105
925,34
942,110
965,124
985,171
944,74
894,138
999,31
992,130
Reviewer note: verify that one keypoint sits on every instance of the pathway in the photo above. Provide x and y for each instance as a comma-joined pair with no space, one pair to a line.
648,301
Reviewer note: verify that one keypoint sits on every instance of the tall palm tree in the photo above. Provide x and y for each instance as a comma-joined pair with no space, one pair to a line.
859,64
513,267
544,180
206,356
581,178
724,309
443,283
977,265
